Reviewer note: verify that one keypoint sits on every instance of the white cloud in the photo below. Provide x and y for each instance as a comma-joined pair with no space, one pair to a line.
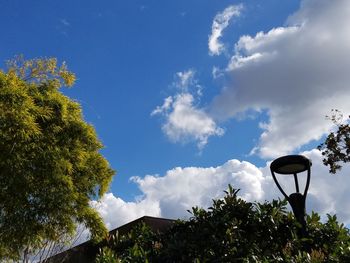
165,107
185,79
172,194
217,72
296,73
179,189
117,212
221,21
184,120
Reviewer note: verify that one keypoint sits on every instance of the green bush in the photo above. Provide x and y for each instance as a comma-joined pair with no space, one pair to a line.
233,230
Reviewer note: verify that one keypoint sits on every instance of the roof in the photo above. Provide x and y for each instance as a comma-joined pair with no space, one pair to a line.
86,252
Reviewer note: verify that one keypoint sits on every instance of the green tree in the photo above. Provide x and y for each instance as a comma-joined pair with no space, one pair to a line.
50,164
336,148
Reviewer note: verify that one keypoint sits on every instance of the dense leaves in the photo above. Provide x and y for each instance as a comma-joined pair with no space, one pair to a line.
140,245
233,230
50,165
336,148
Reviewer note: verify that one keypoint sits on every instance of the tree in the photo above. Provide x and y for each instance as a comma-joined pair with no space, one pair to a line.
336,148
50,248
233,230
50,164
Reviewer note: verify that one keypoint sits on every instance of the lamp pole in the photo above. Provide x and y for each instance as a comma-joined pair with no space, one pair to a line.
292,165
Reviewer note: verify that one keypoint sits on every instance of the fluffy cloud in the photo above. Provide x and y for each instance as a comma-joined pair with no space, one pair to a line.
172,194
221,21
179,189
296,73
184,121
117,212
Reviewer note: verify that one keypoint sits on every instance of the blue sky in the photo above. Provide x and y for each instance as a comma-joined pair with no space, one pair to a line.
130,56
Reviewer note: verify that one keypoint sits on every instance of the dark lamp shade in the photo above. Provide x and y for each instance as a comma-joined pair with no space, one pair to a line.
290,164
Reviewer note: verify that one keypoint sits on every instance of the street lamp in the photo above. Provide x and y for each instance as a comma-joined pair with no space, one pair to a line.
292,165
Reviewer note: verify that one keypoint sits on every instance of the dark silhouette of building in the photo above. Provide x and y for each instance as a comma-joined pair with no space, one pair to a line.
87,251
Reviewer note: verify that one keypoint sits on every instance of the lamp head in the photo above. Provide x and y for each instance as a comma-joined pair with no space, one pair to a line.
290,164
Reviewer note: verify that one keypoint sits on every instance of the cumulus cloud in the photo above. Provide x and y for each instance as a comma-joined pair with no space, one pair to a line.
221,21
179,189
117,212
296,73
184,120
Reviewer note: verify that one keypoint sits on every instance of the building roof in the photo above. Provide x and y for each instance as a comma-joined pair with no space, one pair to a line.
87,251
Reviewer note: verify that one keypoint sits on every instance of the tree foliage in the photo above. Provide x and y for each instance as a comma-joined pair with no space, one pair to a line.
140,245
50,165
336,148
233,230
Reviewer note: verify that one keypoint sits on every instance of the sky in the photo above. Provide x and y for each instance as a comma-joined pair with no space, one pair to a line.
189,96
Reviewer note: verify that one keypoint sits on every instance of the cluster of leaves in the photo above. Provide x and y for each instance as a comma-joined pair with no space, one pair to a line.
50,165
41,70
233,230
140,245
336,148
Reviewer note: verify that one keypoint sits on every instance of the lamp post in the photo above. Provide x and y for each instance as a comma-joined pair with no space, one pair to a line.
292,165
